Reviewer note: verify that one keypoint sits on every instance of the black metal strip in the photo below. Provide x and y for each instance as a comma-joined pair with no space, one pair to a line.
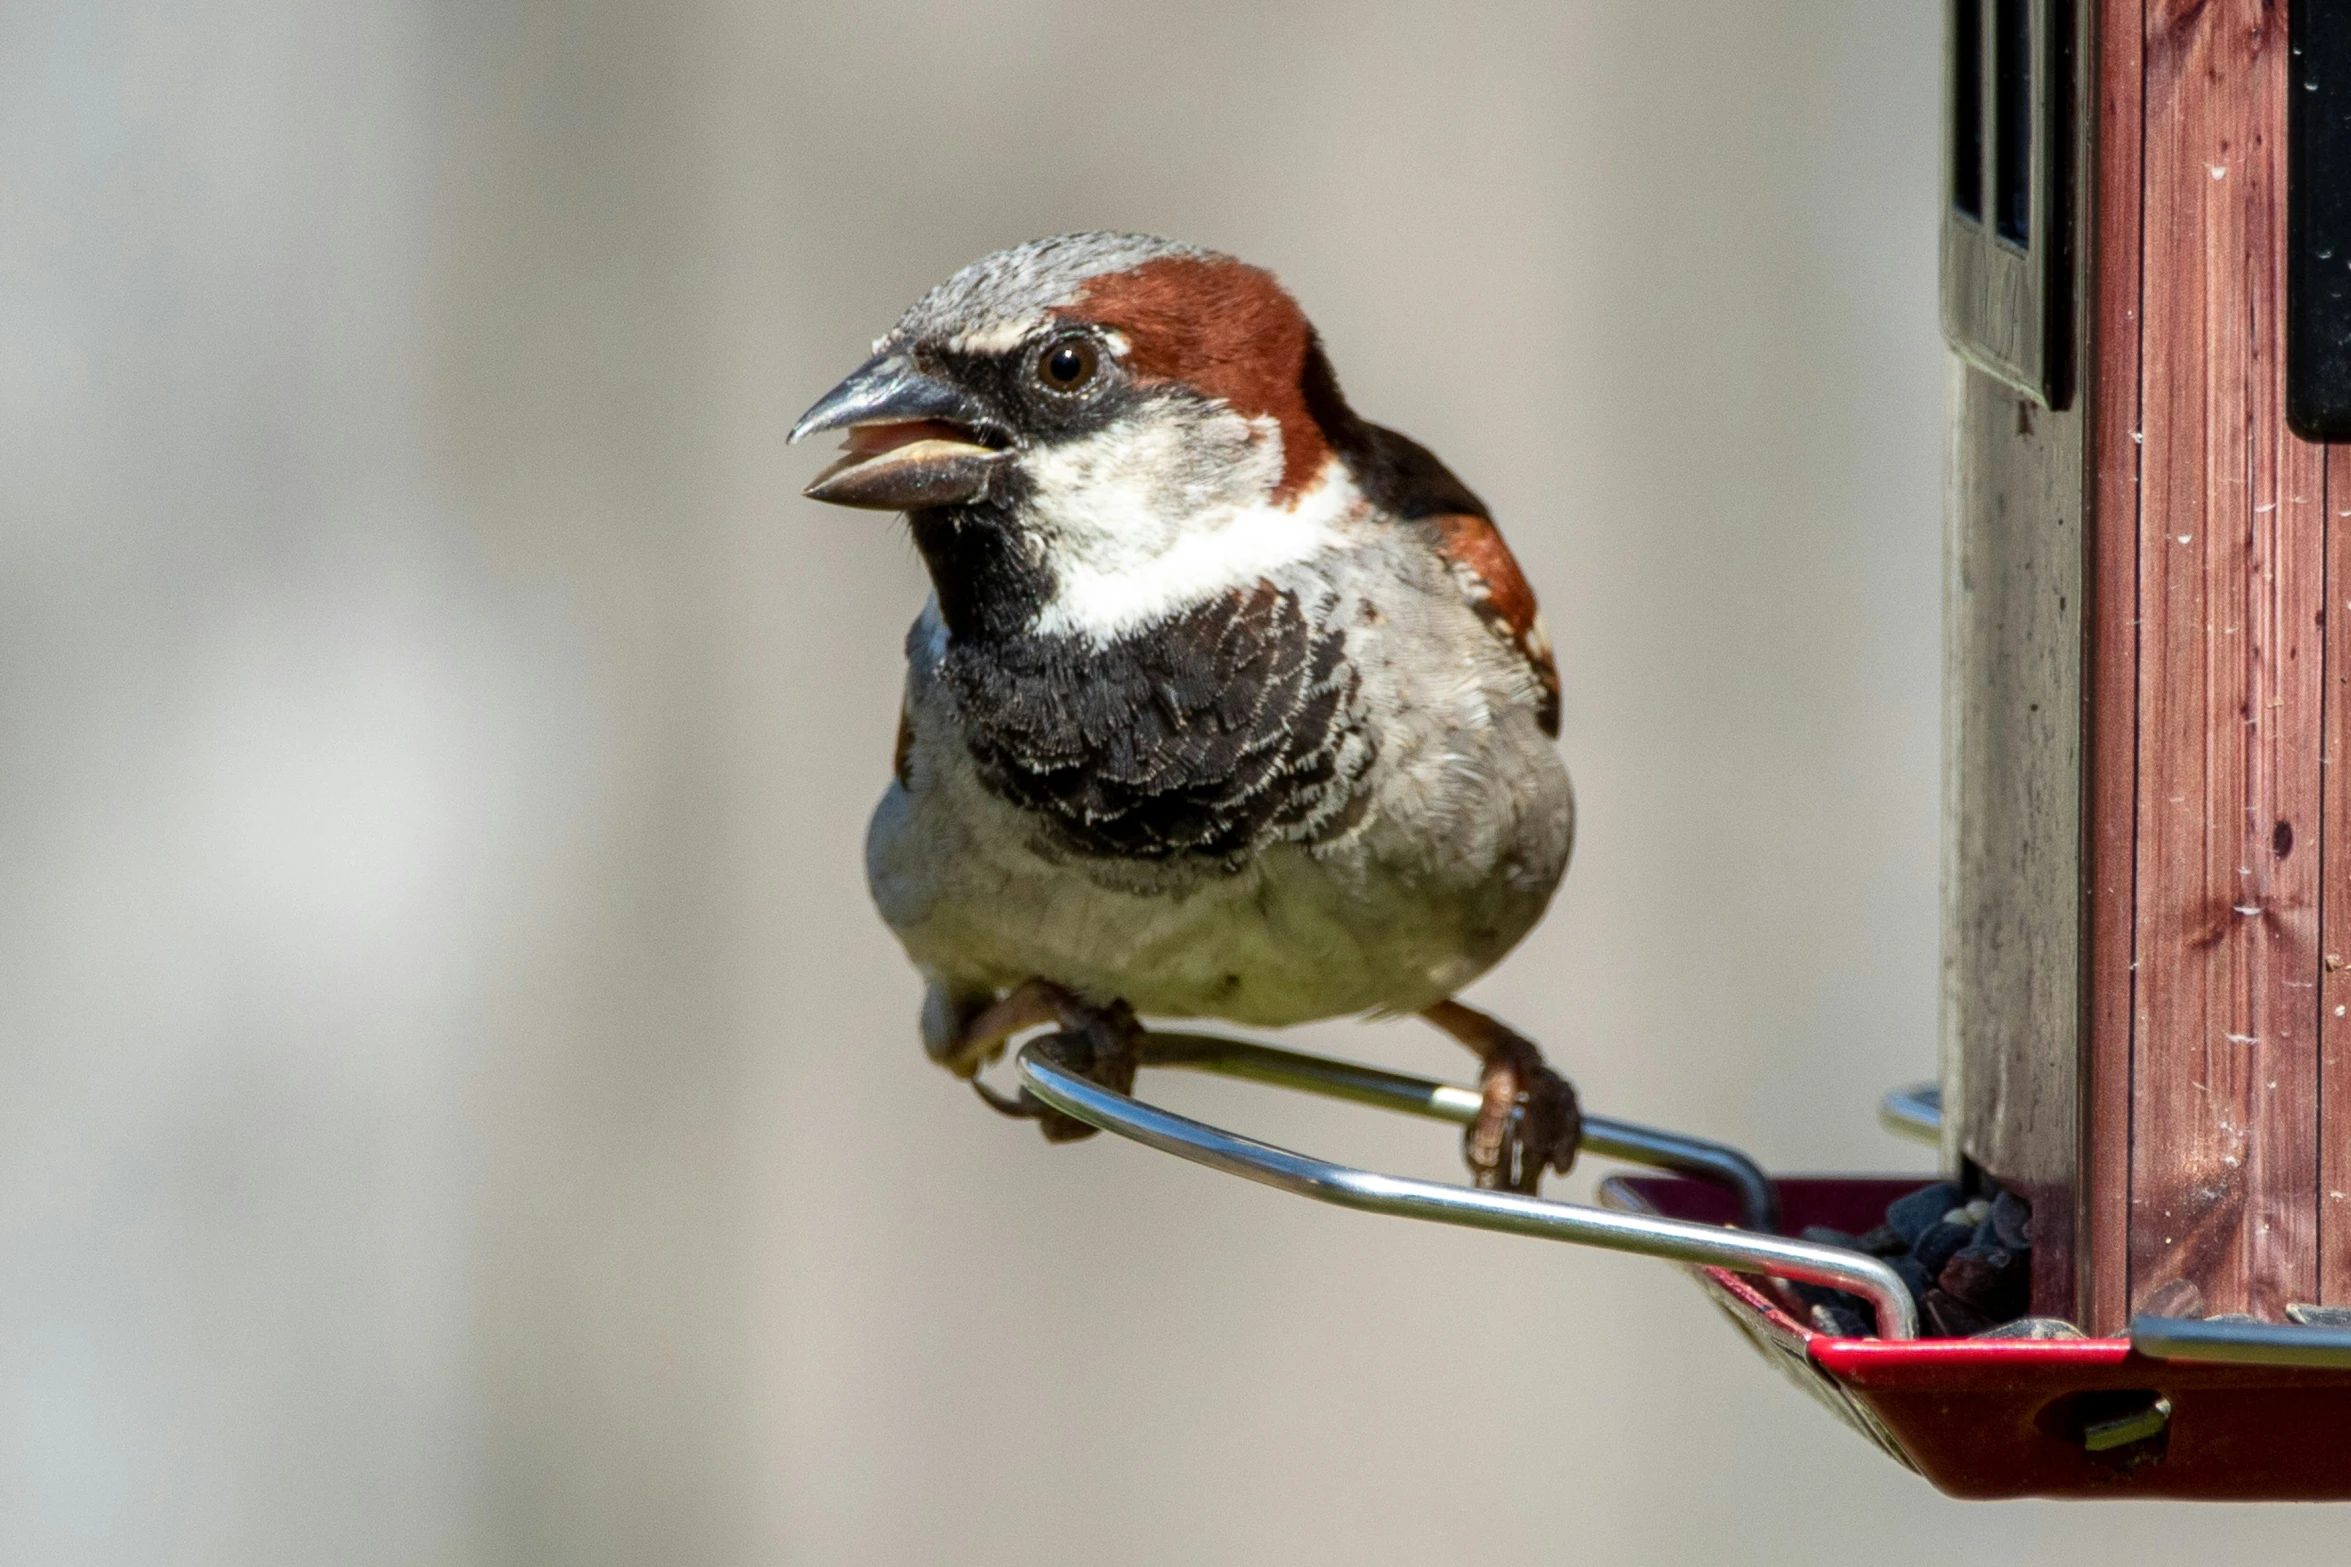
2318,200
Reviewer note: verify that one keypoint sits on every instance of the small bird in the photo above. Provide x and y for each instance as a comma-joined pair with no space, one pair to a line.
1226,703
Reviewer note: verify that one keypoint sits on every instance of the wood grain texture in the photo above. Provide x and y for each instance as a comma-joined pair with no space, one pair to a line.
2012,954
2100,1249
2020,711
2334,992
2224,1114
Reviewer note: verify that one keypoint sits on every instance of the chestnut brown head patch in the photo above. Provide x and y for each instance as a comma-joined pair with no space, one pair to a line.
1225,329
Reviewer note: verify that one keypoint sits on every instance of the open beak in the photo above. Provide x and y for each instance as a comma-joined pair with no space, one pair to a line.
913,440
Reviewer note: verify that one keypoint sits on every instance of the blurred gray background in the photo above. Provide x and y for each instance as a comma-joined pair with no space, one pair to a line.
456,1105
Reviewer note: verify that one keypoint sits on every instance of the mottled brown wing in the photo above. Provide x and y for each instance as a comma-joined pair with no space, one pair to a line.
1405,477
1498,590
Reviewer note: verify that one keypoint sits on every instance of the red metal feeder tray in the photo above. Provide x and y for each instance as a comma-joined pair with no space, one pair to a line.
2070,1417
2222,1410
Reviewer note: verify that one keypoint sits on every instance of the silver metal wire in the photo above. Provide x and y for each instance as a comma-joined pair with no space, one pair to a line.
1759,1199
1674,1240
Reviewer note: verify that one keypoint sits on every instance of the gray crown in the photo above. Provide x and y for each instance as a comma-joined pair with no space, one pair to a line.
1026,280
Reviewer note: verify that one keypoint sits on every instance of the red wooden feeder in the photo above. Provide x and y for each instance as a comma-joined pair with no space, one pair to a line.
2146,1028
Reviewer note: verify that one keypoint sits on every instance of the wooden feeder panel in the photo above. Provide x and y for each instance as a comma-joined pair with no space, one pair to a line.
2148,888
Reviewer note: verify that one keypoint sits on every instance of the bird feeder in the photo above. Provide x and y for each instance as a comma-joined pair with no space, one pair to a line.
2146,1020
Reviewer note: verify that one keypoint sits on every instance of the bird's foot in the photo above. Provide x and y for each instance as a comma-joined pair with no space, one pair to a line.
1528,1120
969,1040
1097,1043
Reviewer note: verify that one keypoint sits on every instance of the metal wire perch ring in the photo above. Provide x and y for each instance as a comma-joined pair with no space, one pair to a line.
1674,1240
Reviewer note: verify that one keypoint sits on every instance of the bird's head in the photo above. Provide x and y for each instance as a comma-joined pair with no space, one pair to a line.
1091,431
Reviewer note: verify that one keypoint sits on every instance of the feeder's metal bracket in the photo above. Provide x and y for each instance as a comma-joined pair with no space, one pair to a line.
1915,1110
1751,1250
2241,1341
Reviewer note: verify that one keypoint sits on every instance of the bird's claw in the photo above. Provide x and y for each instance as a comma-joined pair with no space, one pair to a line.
1095,1043
1529,1120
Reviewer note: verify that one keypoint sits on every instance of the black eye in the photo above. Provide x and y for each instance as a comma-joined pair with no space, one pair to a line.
1069,364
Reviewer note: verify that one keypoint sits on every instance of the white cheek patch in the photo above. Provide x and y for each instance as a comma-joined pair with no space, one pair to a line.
1196,567
1132,537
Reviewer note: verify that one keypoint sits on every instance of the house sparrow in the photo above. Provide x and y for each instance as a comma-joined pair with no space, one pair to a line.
1227,703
